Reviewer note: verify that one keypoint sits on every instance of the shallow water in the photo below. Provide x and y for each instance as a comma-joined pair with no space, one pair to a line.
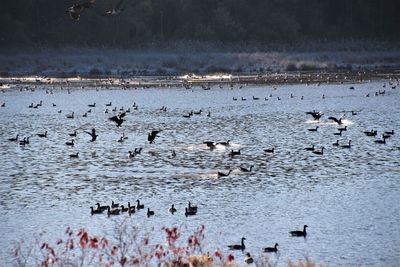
349,198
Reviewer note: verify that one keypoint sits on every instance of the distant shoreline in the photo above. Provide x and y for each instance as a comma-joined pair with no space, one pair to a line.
135,82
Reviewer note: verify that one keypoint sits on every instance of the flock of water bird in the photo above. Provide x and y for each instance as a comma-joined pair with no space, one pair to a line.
120,118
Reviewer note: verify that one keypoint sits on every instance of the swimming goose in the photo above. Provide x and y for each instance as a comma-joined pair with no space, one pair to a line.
313,129
138,150
14,139
248,259
118,119
234,153
224,143
150,212
103,208
93,135
342,129
131,209
321,152
92,105
243,99
172,209
234,98
256,98
310,148
131,154
299,233
3,105
109,104
221,174
246,170
389,133
70,143
238,246
114,205
71,116
371,133
192,208
197,112
383,141
112,211
316,114
269,150
336,144
151,136
272,249
189,212
347,145
25,141
76,155
95,211
123,209
73,134
139,206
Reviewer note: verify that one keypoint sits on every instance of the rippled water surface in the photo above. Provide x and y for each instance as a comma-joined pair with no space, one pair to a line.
349,198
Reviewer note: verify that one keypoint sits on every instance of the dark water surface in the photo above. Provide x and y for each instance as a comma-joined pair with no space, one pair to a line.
349,198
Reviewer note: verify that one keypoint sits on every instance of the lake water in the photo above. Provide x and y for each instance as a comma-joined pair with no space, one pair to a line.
349,198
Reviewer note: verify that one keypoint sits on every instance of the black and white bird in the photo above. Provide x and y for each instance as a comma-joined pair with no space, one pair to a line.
118,119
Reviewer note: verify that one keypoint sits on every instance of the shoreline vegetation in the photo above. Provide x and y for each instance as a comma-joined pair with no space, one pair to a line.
128,246
202,58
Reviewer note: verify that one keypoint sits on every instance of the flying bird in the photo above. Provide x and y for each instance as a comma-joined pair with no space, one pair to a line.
316,114
116,10
151,136
338,121
93,135
118,119
75,10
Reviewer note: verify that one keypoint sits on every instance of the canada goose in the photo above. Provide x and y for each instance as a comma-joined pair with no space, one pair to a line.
76,155
192,208
3,105
224,143
131,154
109,104
112,211
221,174
238,246
243,99
234,153
73,134
389,133
371,133
131,209
75,10
71,116
321,152
299,233
14,139
84,115
151,136
138,150
150,212
92,105
338,121
338,133
54,105
383,141
103,208
248,259
256,98
211,145
139,206
114,205
313,129
269,150
197,112
71,143
336,143
272,249
246,170
95,211
234,98
189,212
25,141
342,129
316,114
118,119
124,209
173,154
92,134
172,209
310,148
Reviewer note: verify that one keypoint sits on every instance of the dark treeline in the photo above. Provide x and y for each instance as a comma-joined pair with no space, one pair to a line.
44,23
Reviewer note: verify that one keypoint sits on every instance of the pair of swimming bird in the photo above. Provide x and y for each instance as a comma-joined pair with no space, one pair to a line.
189,210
